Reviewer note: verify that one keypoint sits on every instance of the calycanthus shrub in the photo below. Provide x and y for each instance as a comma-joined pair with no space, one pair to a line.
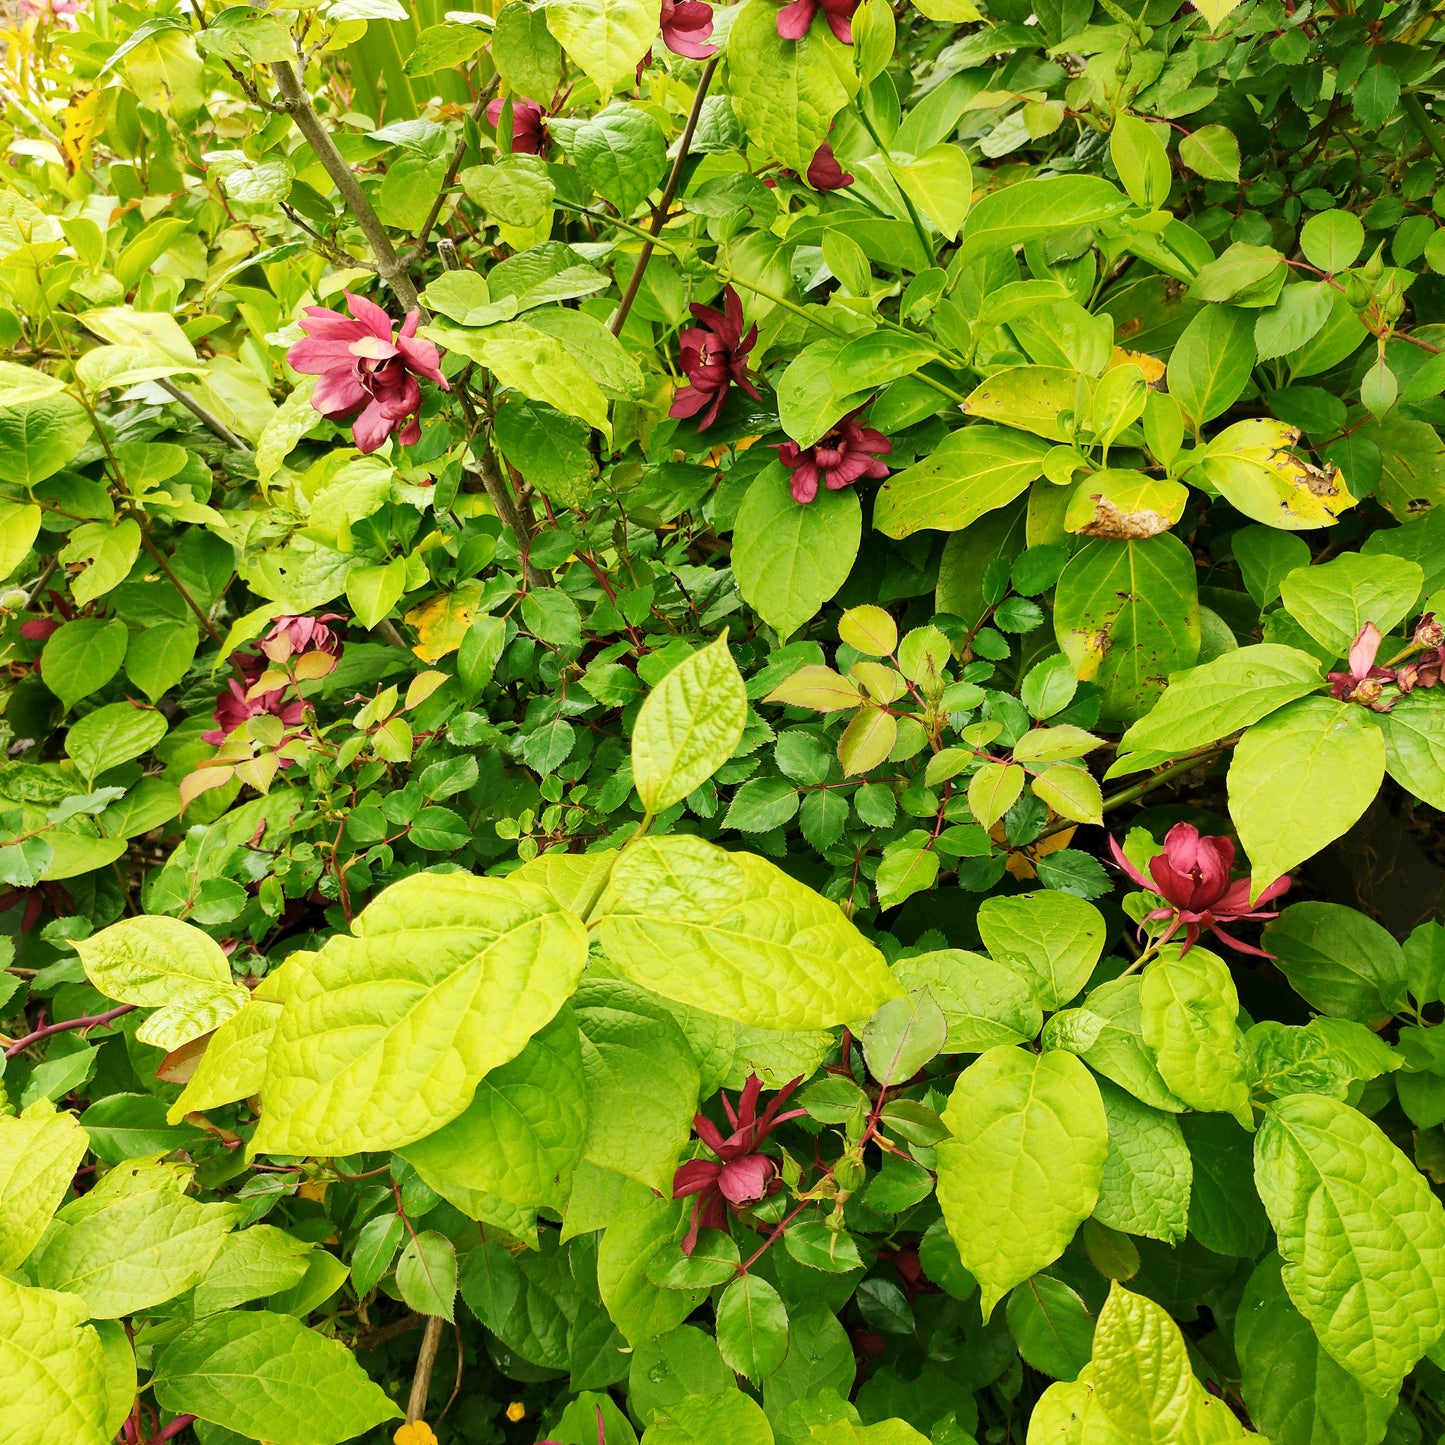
722,725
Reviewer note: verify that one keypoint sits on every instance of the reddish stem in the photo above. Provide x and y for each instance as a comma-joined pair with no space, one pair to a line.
169,1432
88,1022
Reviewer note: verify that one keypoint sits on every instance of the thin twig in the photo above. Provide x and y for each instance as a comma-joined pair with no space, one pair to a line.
207,418
90,1021
453,170
296,102
660,210
159,558
425,1359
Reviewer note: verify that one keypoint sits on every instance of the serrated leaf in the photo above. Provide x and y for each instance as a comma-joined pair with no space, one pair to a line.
1023,1167
475,966
734,935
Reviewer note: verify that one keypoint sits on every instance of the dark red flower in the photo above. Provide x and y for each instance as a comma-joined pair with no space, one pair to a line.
712,356
839,458
529,131
824,172
292,636
1364,682
686,28
795,19
738,1174
1192,876
364,369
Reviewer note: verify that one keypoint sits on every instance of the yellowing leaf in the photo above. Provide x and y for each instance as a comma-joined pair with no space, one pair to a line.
867,741
442,621
817,687
1252,465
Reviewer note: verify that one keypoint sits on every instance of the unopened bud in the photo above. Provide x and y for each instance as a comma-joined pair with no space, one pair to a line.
1374,268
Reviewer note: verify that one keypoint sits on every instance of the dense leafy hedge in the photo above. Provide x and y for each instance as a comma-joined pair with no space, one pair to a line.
681,684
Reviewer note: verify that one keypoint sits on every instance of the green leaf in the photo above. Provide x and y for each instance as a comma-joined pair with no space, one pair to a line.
752,1327
622,155
1225,1213
1332,240
786,92
374,591
1414,732
985,1002
903,1036
1212,152
1117,1050
1222,696
37,438
1293,1389
472,966
269,1376
1051,1326
123,1249
641,1080
1071,791
23,384
789,559
234,1064
129,1126
55,1380
1246,274
523,1133
158,657
993,790
1189,1007
426,1274
1211,362
1333,755
643,1228
1361,1233
1023,1167
1126,614
528,59
1297,317
19,526
1148,1172
688,727
809,397
1053,939
976,469
734,935
904,872
1141,160
1049,401
443,47
112,735
1334,600
252,1263
549,448
167,965
605,38
939,182
40,1151
731,1418
1030,210
82,656
1338,960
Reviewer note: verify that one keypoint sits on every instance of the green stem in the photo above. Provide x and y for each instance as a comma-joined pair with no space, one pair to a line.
1414,107
912,214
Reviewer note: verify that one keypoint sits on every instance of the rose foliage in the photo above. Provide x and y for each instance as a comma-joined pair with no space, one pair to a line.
723,725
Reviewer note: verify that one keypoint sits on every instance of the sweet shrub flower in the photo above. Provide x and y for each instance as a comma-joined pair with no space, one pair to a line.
234,707
687,27
529,130
824,172
738,1174
712,357
1192,876
842,456
794,20
46,11
365,371
293,636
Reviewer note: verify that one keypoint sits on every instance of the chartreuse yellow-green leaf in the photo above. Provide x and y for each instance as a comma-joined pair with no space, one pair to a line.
1188,1012
135,1241
688,727
1361,1233
53,1367
1052,938
385,1036
734,935
605,38
234,1064
170,966
1023,1167
266,1375
1301,778
40,1151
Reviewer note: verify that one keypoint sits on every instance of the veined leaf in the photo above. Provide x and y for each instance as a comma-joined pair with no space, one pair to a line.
40,1151
55,1386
